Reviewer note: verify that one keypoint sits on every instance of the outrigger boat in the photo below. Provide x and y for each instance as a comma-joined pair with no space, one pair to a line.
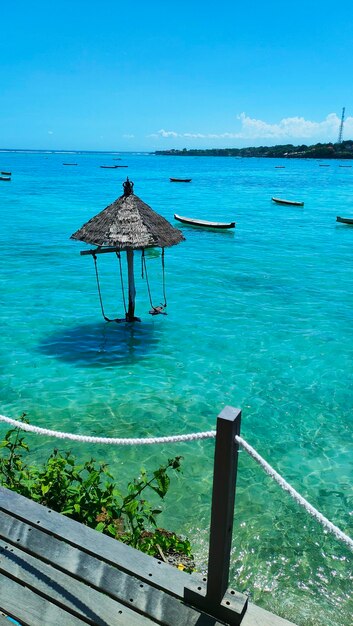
203,223
5,177
180,180
292,202
344,220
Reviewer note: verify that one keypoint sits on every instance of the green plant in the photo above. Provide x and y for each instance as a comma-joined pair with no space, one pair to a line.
87,493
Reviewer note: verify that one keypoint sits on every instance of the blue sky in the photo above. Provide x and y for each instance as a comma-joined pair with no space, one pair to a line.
114,75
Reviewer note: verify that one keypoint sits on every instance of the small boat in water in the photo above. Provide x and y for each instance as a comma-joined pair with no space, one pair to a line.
5,177
291,202
5,173
344,220
203,223
69,163
180,180
112,167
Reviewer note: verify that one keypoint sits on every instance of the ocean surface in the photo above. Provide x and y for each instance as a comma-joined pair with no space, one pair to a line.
259,318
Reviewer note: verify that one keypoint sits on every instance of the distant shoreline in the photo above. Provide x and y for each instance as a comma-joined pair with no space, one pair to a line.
46,151
342,150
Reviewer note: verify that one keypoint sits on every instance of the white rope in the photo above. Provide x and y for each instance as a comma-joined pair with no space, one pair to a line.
106,440
191,437
297,497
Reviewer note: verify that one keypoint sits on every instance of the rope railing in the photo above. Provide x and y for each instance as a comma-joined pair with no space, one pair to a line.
115,441
211,434
295,495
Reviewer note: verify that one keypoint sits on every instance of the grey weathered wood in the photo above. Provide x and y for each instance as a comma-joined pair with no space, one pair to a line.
256,616
223,497
63,590
31,609
132,290
136,563
58,559
100,251
213,596
99,575
4,621
37,541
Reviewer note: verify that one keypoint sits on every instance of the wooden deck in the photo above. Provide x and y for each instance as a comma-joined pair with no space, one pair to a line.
57,572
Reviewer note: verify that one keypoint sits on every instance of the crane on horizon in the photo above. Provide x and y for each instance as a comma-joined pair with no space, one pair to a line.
341,126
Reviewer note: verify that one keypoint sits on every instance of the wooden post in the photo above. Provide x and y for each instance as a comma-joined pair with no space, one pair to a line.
214,598
130,317
223,497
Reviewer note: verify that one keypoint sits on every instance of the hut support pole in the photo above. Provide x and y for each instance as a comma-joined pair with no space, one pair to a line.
130,315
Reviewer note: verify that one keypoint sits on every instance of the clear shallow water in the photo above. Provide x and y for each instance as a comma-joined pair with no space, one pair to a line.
258,318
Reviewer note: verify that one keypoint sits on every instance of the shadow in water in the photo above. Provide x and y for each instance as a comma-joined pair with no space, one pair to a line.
102,344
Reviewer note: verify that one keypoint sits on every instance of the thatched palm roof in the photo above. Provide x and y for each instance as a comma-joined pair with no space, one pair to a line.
129,223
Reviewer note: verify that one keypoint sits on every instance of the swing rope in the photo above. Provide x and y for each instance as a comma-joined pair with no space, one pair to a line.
163,279
99,289
108,319
145,274
155,310
122,281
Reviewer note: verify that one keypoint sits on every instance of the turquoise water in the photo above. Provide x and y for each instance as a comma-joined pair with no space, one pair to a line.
258,318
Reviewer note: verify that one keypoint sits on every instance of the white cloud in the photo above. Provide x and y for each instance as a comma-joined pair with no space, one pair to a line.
288,129
171,133
291,128
167,133
50,132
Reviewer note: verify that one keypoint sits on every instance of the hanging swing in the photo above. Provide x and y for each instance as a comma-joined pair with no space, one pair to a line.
107,319
127,225
155,310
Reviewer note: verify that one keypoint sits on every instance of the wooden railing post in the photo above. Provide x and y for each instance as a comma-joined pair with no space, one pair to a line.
214,598
223,497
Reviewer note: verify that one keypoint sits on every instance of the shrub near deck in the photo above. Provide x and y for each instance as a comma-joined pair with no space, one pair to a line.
88,494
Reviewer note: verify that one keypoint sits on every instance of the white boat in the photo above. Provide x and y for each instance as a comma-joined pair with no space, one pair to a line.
292,202
203,223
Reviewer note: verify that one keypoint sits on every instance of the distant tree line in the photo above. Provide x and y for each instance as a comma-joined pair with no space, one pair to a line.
343,150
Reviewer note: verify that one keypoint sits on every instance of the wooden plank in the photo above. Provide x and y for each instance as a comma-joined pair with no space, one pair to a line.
124,588
256,616
4,621
61,589
30,609
101,251
142,566
131,561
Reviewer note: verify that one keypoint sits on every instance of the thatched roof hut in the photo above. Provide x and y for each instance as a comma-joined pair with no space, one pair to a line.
129,223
